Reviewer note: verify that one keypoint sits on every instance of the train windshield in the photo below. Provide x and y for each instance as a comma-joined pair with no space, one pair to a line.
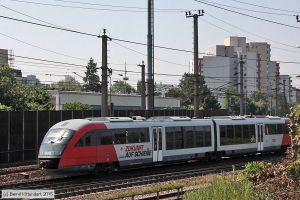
58,135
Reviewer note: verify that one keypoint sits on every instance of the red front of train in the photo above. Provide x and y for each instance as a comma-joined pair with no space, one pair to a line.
65,147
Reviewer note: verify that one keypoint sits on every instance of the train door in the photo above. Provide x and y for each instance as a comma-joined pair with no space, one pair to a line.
157,143
260,136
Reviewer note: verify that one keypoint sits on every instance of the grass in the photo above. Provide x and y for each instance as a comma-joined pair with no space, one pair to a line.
224,188
205,180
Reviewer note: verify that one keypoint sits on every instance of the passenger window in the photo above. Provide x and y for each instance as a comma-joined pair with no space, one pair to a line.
89,139
133,136
170,138
120,137
144,135
207,136
106,139
179,137
189,137
200,136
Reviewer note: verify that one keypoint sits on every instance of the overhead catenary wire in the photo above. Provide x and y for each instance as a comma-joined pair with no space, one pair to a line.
266,7
247,15
41,48
127,41
120,8
251,10
49,26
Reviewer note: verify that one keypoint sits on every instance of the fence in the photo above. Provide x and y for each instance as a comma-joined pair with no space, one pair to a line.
21,133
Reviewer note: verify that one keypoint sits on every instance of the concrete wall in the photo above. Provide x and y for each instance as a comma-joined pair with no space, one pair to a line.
120,101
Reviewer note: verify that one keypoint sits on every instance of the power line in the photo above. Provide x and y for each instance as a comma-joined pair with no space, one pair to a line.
260,6
124,8
257,11
146,55
237,27
48,26
251,16
126,41
41,48
114,6
21,13
40,59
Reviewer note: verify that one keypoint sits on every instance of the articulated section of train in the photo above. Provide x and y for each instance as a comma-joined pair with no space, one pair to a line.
110,143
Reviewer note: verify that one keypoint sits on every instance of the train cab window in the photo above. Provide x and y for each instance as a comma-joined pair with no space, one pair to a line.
89,139
276,129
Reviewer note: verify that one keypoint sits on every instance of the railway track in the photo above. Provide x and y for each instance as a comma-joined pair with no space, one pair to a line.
12,170
81,185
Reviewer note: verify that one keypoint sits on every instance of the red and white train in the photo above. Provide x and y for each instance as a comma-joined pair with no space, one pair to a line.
109,143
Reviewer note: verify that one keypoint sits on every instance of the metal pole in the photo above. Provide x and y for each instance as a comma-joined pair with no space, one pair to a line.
143,97
241,86
150,93
104,99
284,96
196,62
196,69
276,88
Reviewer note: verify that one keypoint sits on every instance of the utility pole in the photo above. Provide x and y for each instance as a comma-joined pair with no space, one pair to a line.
284,96
104,70
276,88
143,87
110,102
241,85
150,51
196,62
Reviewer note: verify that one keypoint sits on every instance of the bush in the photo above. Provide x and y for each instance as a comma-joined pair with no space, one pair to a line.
223,188
293,170
76,105
253,169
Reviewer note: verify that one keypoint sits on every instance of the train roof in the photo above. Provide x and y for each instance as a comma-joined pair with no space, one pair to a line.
118,122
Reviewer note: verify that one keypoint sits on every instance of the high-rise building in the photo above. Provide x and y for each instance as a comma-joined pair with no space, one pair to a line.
264,51
3,57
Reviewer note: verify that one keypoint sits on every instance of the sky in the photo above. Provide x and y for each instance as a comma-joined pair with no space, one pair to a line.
127,20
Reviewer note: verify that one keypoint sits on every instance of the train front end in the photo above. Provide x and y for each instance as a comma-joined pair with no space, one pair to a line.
52,147
55,142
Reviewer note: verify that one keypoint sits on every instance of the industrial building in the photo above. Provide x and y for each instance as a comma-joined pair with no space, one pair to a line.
120,101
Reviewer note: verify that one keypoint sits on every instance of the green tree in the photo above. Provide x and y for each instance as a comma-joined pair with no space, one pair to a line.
139,88
257,103
67,84
121,87
91,79
37,98
174,92
185,91
76,105
20,97
294,127
209,100
231,100
4,108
